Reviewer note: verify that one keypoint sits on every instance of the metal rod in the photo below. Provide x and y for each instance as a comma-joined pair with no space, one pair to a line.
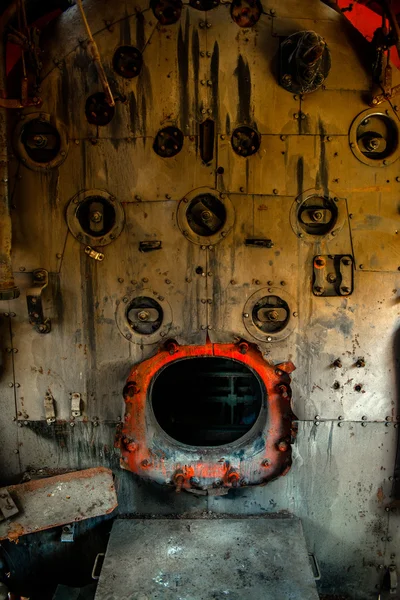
94,52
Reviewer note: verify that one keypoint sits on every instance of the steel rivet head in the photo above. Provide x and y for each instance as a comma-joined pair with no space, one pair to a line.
246,315
269,339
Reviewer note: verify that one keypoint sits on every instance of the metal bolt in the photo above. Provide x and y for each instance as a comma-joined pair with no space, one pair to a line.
283,446
246,315
143,315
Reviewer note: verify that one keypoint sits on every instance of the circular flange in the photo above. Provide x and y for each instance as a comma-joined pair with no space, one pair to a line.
245,141
314,215
374,137
269,300
135,325
205,216
168,142
41,141
98,111
95,218
167,12
246,13
127,61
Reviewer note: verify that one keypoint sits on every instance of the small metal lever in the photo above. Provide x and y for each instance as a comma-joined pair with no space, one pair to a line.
34,301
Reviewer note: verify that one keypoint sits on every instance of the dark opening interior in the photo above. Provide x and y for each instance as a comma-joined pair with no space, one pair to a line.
206,401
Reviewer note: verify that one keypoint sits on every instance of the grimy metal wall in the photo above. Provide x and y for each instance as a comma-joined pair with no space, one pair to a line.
205,66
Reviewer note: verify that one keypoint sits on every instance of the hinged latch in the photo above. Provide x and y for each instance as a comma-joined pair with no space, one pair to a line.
49,408
7,505
34,300
76,410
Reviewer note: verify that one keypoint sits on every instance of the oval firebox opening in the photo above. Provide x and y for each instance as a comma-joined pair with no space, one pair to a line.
207,401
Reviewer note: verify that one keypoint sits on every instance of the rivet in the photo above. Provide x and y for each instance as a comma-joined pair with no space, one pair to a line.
145,280
167,281
128,336
120,280
246,316
269,339
275,191
295,314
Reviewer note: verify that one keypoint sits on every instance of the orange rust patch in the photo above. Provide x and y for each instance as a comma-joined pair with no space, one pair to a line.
15,531
380,495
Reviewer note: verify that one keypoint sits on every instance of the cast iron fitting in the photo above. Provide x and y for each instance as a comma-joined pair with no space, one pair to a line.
283,446
243,347
130,390
233,478
283,391
172,347
179,480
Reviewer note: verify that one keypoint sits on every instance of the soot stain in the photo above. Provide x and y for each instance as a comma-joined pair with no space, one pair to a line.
322,175
242,73
214,79
196,68
183,67
125,32
300,175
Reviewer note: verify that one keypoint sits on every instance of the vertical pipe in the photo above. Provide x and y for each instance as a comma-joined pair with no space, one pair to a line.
8,289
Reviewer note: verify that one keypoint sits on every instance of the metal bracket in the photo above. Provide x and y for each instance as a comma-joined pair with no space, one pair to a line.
34,301
393,579
96,567
150,245
259,243
67,534
333,275
7,505
49,408
94,253
76,404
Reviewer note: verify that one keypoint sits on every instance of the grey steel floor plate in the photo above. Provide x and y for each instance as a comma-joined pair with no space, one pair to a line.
207,559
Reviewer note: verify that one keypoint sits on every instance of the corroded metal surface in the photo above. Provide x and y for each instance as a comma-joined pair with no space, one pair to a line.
54,501
255,459
202,559
345,391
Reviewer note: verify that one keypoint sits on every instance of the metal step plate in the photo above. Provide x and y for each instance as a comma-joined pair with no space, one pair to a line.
207,559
